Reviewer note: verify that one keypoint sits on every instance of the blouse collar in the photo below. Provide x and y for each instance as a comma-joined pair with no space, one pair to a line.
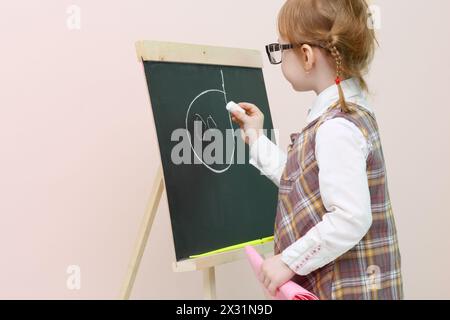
352,93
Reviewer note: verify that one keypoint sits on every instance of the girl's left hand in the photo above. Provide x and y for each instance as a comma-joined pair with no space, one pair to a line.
274,273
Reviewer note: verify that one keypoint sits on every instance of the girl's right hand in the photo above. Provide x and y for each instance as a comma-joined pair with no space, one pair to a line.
251,123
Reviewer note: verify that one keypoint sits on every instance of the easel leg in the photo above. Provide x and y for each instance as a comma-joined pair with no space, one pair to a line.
152,207
209,284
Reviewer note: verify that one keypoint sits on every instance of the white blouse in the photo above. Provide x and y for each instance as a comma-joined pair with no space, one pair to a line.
341,152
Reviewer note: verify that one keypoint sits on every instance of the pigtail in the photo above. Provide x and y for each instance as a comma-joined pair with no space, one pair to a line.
338,59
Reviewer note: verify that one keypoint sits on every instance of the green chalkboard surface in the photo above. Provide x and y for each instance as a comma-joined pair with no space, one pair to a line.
212,205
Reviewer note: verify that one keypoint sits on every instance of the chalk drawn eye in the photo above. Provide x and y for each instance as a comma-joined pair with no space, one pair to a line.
211,123
199,126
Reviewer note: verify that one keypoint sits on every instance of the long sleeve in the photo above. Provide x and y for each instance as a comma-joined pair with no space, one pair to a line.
268,158
341,152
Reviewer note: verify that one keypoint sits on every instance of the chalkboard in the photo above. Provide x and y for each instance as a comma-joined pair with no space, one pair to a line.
211,206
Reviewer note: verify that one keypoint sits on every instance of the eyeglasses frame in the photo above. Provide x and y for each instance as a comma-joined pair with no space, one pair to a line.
287,46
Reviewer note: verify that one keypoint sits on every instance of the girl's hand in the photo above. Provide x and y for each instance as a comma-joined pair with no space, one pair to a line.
274,273
251,123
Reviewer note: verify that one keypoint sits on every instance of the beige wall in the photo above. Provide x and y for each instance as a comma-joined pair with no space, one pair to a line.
78,147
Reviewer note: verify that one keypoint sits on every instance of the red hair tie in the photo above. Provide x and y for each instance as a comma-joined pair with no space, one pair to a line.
338,80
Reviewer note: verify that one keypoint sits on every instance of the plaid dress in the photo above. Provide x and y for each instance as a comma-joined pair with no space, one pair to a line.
371,269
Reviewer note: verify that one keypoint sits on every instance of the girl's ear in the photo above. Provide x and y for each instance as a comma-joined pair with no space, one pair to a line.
308,57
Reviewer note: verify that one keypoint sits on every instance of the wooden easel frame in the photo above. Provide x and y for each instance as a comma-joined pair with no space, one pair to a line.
187,53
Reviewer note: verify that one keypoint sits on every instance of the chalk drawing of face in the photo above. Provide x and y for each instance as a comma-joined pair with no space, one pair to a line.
207,111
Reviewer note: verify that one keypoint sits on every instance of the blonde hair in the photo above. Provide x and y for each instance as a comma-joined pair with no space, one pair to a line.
340,27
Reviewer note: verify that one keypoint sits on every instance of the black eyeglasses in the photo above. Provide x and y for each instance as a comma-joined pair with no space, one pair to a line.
275,50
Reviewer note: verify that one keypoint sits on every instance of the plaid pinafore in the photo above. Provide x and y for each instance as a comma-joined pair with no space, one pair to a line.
371,269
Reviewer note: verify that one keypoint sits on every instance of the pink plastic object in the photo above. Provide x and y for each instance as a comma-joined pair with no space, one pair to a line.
289,291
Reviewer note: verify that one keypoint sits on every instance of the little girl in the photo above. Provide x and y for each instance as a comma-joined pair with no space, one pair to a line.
335,233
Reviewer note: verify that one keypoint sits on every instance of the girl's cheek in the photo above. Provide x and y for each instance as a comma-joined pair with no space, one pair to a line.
293,71
283,68
287,67
288,71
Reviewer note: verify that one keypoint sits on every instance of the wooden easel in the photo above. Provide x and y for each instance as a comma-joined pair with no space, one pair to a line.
187,53
205,264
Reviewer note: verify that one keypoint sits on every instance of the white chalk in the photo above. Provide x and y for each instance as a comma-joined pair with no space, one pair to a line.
232,106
